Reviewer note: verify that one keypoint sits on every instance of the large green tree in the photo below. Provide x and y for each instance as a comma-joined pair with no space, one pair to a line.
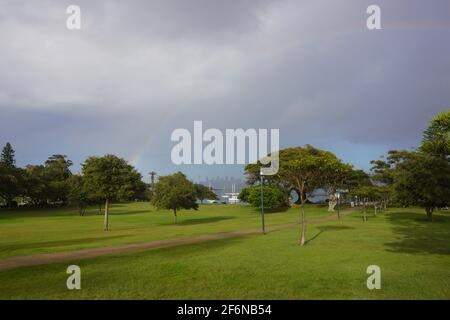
436,138
11,177
382,171
423,180
78,193
57,175
11,184
174,192
356,179
7,157
110,178
36,185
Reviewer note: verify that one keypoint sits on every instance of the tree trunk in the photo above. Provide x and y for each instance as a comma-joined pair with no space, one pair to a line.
302,210
332,200
302,237
331,205
9,201
364,211
429,213
105,225
175,216
375,207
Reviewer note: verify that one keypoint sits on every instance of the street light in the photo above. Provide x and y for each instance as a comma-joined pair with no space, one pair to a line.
262,203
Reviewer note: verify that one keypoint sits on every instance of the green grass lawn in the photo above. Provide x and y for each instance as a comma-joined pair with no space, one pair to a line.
413,254
26,232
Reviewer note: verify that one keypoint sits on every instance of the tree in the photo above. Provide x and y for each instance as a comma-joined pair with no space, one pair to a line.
204,192
383,172
356,179
368,195
253,178
110,178
78,193
174,192
152,178
36,186
7,157
273,197
423,180
11,177
304,169
11,184
334,174
436,138
244,193
386,194
57,174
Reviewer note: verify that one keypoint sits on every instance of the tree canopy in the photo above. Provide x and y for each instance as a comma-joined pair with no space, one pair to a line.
436,138
111,178
174,192
423,180
11,177
306,169
7,157
204,192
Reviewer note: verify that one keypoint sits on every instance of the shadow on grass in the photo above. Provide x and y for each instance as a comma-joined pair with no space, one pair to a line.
323,229
64,212
37,212
59,243
416,234
119,213
195,221
269,211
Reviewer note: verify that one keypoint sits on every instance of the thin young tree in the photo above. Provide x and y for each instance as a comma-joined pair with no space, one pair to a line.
304,168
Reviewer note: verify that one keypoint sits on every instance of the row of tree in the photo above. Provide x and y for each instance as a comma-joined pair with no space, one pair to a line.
102,180
420,177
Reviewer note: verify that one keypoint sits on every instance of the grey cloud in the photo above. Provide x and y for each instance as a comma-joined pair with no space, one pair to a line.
139,69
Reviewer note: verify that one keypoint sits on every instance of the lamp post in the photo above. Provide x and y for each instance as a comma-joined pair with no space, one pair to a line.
262,204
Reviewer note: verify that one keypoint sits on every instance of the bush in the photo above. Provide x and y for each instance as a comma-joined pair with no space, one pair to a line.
273,197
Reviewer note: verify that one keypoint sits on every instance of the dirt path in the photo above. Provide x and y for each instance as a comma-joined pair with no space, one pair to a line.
39,259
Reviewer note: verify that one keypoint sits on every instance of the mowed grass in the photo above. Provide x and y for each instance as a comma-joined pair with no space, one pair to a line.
413,254
27,232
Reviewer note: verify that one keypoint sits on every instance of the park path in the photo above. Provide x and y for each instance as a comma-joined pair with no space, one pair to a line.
40,259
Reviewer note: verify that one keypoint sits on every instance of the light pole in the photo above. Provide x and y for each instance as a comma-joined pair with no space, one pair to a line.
262,204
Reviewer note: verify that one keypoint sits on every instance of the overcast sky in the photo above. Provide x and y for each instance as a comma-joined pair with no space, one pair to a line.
137,70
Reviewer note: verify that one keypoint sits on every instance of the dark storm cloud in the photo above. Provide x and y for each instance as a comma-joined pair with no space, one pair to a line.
139,69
